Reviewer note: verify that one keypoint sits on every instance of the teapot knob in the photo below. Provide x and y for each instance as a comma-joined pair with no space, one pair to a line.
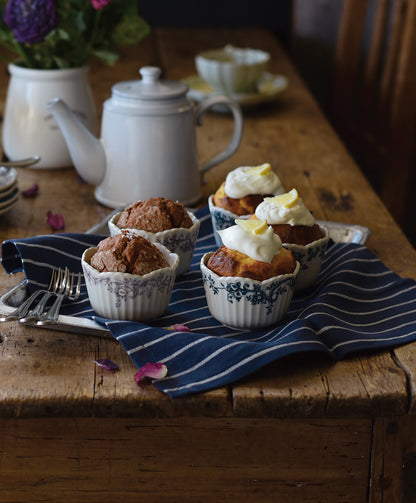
150,74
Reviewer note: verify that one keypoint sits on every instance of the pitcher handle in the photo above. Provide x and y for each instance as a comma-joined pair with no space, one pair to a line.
237,134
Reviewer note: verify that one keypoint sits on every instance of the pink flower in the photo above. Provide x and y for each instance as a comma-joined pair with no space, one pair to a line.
100,4
151,370
55,221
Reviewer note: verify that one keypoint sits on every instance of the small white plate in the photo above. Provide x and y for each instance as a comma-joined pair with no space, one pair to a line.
8,190
7,177
268,89
9,206
7,199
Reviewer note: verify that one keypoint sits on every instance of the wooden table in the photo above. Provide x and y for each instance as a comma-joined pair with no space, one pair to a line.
303,429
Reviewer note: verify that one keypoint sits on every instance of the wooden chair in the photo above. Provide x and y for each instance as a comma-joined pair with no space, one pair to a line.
373,103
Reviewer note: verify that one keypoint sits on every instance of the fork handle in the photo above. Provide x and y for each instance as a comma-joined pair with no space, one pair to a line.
53,314
23,309
36,313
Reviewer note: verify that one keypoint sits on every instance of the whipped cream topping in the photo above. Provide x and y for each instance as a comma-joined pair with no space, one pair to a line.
245,180
263,246
274,213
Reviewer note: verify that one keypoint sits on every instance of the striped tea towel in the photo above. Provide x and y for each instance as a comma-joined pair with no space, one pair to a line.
357,304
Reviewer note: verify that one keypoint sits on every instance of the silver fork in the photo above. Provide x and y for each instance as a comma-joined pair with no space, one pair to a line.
70,291
24,308
56,287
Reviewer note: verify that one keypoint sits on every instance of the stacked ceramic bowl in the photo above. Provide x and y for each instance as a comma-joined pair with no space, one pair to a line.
9,192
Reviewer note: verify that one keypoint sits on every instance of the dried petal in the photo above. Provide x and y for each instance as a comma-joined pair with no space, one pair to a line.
107,364
55,221
31,191
179,328
152,371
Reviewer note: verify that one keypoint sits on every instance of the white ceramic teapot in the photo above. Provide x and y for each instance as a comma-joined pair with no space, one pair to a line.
148,142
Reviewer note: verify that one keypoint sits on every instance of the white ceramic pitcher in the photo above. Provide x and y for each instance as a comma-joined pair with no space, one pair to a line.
28,128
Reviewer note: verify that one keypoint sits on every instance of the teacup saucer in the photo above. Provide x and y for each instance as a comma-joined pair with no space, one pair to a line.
268,89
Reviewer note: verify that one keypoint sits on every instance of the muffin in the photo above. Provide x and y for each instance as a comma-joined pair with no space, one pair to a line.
249,281
127,253
161,221
240,194
298,231
128,277
157,214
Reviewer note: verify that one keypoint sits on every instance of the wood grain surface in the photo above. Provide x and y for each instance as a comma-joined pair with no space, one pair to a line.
304,428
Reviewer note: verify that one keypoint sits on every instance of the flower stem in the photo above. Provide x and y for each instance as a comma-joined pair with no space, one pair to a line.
95,28
27,60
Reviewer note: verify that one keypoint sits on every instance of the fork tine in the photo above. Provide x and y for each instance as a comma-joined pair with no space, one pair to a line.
68,292
78,289
37,311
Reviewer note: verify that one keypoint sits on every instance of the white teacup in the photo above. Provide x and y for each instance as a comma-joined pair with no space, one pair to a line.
232,70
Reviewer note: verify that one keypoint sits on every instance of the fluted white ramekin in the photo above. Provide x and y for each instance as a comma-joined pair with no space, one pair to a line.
124,296
247,303
310,258
180,240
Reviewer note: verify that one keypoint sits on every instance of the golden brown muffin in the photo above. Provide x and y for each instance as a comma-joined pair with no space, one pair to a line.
127,253
228,262
296,234
155,215
244,206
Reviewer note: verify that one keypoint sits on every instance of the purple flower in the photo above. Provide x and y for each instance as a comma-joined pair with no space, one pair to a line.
31,20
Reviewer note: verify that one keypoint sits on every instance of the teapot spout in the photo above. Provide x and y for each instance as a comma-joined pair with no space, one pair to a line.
86,151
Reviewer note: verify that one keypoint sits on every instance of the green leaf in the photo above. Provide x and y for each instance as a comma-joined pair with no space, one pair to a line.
131,30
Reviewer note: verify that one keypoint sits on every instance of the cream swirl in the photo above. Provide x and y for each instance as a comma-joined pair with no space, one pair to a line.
274,213
247,180
263,246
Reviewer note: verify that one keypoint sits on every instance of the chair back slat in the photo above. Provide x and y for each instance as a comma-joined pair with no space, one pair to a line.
373,101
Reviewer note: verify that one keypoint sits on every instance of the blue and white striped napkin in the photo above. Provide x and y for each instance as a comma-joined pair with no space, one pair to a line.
357,304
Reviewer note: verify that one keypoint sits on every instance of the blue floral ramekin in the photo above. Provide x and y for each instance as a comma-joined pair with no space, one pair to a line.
222,219
247,303
310,259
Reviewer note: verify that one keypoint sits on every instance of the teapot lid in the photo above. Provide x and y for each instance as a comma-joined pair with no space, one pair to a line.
150,87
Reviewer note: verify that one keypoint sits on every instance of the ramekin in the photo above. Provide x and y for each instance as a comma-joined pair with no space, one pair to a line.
222,219
179,240
247,303
125,296
310,258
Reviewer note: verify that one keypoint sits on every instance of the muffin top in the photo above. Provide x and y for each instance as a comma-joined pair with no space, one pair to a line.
285,208
155,215
127,253
289,218
247,180
252,250
245,188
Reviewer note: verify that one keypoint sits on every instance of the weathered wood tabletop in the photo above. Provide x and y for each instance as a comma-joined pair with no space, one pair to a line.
49,377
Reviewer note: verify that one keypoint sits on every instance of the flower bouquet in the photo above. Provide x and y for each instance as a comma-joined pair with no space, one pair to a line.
49,44
53,34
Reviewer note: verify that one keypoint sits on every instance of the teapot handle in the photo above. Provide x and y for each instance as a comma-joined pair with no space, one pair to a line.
237,134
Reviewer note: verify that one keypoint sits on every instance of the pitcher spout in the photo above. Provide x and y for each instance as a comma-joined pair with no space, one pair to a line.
86,151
